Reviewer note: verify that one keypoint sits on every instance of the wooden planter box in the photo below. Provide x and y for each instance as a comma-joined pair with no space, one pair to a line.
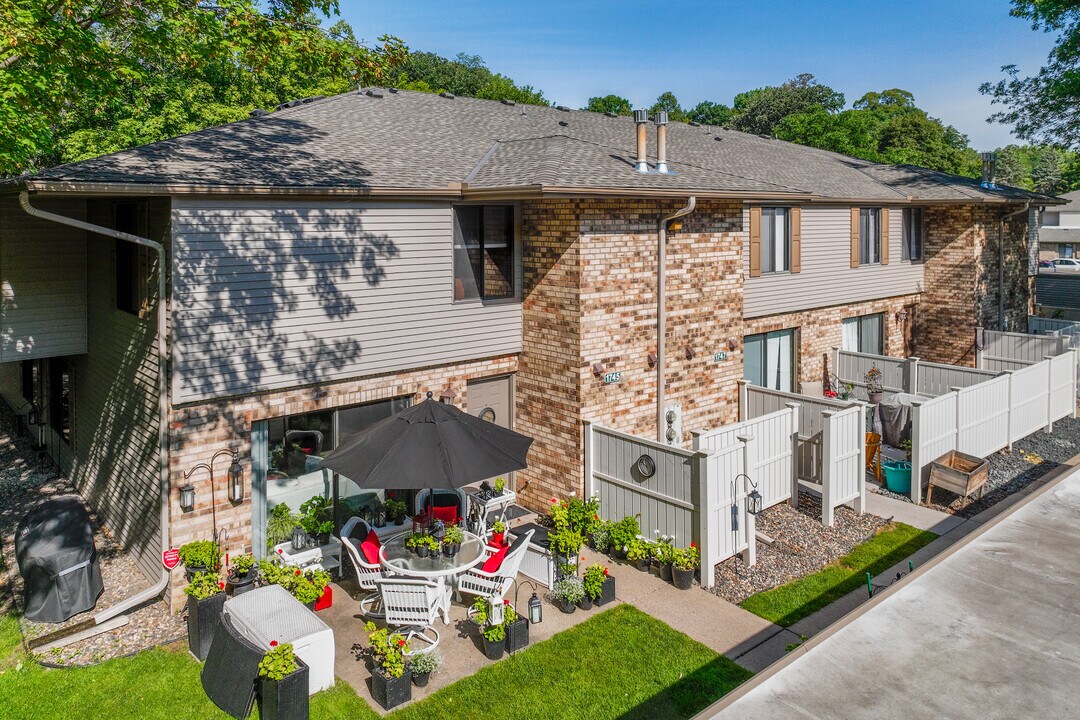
959,473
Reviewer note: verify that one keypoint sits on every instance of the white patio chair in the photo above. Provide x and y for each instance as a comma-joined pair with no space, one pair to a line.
411,606
366,573
495,585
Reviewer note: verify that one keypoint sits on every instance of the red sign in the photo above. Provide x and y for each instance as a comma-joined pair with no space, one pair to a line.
170,558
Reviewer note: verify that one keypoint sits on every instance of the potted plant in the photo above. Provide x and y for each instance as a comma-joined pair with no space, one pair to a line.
517,629
413,542
283,684
423,666
567,593
206,598
622,533
391,679
395,510
872,379
452,539
316,517
905,445
500,485
686,561
664,555
598,585
494,637
498,533
639,553
200,556
600,537
242,574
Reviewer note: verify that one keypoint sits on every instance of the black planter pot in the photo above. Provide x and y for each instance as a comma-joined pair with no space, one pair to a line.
323,538
607,592
310,606
682,579
643,565
422,551
240,584
203,617
399,521
585,603
287,698
618,554
567,607
421,679
665,572
493,650
391,692
517,635
190,570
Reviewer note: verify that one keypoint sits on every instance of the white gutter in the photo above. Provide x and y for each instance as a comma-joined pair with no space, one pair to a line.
1001,261
163,397
661,314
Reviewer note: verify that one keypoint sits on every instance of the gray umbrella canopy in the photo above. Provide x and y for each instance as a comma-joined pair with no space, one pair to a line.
429,445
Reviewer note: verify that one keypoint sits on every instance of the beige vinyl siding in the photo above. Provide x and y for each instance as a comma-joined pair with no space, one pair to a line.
270,295
116,455
42,282
826,276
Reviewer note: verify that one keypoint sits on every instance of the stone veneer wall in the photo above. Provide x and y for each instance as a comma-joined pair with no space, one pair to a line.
198,431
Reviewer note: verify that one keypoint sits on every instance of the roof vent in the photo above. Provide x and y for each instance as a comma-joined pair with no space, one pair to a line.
641,117
374,92
661,120
564,123
718,138
393,91
258,112
449,95
611,114
694,124
765,137
989,169
562,108
291,103
312,99
508,102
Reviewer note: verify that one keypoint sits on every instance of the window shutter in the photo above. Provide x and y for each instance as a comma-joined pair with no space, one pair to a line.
755,242
796,239
884,236
854,237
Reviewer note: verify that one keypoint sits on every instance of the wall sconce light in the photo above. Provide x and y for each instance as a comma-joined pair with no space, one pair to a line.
652,359
690,354
447,396
598,369
732,343
901,315
187,498
319,393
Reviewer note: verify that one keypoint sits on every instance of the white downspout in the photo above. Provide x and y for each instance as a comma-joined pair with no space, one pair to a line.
661,315
1001,261
163,396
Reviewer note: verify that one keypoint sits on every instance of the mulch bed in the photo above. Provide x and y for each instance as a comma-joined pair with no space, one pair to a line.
801,545
26,480
1031,458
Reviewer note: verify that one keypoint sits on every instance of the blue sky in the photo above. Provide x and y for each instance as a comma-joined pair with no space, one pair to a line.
941,51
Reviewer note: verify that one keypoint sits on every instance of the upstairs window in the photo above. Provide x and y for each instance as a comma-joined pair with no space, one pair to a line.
869,236
913,233
775,240
484,252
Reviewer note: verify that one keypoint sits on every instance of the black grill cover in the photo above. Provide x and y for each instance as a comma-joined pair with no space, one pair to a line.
54,546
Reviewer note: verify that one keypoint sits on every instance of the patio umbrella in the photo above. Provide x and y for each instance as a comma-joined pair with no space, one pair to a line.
429,445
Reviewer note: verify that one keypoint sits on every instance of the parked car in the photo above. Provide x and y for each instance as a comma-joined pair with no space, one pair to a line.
1068,264
1046,264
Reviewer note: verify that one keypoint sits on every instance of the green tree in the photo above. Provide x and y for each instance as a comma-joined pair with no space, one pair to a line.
669,103
465,75
1045,107
760,111
610,103
106,75
707,112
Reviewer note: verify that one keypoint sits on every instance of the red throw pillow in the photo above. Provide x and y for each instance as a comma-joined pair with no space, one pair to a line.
493,563
370,548
447,514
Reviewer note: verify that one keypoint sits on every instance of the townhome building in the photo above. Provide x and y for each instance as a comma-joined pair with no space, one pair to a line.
272,285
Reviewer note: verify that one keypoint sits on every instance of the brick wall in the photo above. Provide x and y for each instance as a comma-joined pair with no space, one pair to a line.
197,432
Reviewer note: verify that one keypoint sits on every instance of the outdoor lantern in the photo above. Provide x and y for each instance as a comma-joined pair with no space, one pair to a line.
187,497
33,417
536,610
236,479
495,611
753,502
447,396
299,538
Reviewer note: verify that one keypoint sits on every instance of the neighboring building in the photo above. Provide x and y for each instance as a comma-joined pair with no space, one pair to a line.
329,263
1059,229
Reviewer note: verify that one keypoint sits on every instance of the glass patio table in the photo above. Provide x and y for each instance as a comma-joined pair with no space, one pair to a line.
400,560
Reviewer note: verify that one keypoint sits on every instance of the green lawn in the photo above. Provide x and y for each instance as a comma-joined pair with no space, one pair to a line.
620,663
789,603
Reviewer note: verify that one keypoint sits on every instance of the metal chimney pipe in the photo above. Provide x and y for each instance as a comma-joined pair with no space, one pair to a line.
641,117
989,169
660,118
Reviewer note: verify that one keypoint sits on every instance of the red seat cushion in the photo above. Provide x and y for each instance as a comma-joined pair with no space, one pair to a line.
493,563
447,514
370,548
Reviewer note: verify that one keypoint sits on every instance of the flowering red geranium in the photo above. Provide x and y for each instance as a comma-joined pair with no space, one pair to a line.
273,643
298,573
830,393
221,584
280,551
605,571
401,643
693,545
595,516
554,500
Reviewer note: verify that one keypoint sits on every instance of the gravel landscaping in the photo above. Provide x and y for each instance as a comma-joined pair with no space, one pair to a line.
26,480
801,545
1030,459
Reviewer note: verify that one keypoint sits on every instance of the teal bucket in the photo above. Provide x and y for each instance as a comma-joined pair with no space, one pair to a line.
898,476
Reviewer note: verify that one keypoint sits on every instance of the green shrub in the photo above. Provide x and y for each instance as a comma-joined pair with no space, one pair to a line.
201,553
623,532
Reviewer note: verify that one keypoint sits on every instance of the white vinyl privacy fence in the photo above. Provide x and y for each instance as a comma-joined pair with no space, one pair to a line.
829,443
906,375
1001,351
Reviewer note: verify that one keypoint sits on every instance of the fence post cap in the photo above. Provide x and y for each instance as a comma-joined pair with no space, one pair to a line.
793,405
828,413
955,389
743,437
914,359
